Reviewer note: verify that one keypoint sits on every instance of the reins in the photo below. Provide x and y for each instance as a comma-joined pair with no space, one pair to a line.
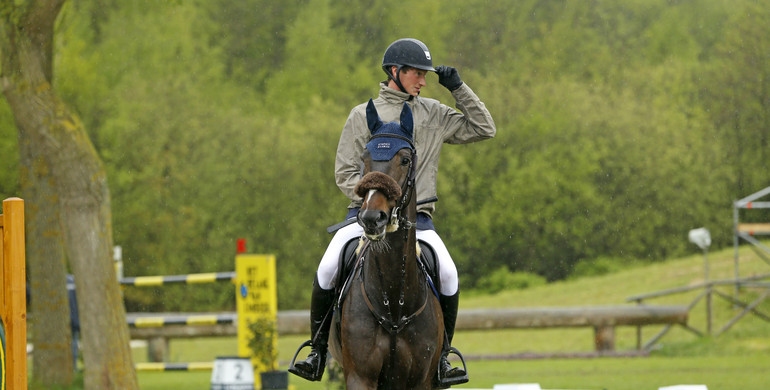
393,324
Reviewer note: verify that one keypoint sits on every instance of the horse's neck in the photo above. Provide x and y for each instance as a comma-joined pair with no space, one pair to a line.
398,268
399,251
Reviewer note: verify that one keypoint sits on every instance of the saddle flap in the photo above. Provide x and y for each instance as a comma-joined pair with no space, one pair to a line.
429,261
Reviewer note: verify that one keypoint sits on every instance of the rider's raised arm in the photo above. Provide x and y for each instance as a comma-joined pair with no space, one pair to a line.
475,123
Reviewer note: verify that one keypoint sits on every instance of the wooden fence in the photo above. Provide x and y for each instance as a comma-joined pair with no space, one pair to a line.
603,319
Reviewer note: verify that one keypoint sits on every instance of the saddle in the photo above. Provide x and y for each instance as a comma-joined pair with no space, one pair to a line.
427,261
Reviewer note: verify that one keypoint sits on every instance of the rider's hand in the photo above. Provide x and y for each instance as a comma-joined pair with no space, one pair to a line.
448,77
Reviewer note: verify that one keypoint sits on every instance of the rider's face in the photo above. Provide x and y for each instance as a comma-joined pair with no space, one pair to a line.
412,79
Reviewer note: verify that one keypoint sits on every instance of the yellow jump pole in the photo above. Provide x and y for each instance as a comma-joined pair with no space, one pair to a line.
14,299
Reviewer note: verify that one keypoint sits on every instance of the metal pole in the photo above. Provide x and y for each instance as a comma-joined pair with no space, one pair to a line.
735,245
708,290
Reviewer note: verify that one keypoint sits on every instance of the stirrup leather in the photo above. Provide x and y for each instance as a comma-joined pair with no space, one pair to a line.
446,382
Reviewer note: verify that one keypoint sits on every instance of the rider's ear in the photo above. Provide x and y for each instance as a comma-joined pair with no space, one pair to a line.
407,122
372,117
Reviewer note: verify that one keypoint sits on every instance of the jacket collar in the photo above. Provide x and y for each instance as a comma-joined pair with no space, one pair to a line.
391,95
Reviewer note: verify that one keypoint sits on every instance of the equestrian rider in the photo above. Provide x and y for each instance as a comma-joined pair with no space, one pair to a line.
406,62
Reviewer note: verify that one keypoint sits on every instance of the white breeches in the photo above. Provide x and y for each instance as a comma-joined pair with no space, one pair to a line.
327,270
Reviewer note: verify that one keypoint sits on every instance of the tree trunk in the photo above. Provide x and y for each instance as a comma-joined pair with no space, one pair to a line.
51,336
82,196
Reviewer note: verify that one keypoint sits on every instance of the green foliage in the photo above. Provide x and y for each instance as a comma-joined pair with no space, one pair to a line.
596,267
621,125
737,92
503,279
252,36
262,342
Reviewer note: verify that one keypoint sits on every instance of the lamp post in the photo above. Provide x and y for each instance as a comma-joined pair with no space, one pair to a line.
702,239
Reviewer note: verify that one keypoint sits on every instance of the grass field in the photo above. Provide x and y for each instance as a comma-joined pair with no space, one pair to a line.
737,359
726,373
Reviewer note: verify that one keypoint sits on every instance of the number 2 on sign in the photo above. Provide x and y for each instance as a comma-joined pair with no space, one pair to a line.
238,370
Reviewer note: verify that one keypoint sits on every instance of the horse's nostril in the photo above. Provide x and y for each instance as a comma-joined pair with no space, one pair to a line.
372,219
383,219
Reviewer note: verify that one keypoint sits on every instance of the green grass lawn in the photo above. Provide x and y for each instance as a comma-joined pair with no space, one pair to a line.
737,359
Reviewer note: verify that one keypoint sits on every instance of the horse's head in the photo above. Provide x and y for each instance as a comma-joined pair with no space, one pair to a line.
388,173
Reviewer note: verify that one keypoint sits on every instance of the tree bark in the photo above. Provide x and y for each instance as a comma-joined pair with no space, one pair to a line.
51,335
48,127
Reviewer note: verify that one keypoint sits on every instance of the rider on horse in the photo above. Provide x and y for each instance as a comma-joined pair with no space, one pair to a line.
406,62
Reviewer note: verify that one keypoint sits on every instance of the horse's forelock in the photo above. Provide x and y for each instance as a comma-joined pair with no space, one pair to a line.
378,181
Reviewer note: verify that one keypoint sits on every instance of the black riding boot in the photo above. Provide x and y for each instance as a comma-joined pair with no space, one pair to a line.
313,367
448,375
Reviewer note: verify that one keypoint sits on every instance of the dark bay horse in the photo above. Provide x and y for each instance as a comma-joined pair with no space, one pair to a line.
391,328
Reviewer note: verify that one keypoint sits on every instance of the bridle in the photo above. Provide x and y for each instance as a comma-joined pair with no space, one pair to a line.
399,220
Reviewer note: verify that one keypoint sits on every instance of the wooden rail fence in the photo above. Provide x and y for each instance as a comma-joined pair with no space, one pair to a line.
603,319
711,288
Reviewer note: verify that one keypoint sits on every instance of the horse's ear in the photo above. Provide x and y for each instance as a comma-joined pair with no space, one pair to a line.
407,122
372,117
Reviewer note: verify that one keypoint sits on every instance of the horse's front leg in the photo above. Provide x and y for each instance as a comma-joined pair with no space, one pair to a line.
356,382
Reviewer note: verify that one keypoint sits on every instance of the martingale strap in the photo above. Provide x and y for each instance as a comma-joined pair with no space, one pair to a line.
392,327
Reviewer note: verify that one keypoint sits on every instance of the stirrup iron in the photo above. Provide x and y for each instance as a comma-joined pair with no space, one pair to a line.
311,376
445,383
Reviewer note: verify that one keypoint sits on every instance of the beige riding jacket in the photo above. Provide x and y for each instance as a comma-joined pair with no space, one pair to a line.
434,125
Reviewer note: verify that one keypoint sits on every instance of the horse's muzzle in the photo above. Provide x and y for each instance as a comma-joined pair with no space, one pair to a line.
374,223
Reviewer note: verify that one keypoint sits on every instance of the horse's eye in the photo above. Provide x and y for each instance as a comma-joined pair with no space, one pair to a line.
405,160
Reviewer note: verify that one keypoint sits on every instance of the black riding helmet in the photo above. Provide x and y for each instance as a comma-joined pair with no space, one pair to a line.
406,52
